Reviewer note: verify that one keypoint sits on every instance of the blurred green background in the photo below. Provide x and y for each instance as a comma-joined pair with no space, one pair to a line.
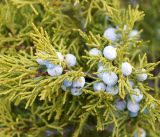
150,25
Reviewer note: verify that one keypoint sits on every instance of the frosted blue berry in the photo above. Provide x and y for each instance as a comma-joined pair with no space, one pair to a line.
60,56
41,61
130,83
132,114
100,72
67,83
64,88
133,33
120,104
76,91
95,52
100,86
138,97
70,60
133,107
49,65
110,52
152,106
49,133
142,76
126,69
113,90
79,82
56,71
140,133
110,78
145,111
100,64
110,33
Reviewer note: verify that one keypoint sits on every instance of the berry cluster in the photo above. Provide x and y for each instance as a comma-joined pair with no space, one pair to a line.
110,78
132,106
56,70
111,34
74,86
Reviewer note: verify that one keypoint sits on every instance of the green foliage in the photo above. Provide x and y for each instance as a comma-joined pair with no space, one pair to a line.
33,103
